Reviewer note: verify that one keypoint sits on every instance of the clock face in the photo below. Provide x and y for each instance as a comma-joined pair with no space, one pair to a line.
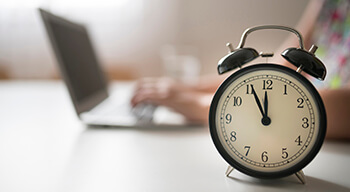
267,121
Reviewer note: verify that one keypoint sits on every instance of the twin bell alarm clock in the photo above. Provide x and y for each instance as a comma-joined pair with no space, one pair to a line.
267,120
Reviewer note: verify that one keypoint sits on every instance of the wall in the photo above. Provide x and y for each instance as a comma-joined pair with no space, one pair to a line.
130,35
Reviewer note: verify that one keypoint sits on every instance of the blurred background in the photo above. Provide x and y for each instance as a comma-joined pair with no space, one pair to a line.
139,38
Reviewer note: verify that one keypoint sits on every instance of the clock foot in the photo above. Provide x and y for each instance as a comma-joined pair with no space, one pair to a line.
301,176
229,170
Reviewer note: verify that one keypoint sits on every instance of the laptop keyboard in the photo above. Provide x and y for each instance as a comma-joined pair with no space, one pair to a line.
144,111
111,109
117,108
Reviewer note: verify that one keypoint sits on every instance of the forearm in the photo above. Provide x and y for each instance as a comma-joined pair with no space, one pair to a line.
337,104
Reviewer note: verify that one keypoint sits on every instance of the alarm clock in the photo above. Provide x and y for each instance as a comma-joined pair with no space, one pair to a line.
267,120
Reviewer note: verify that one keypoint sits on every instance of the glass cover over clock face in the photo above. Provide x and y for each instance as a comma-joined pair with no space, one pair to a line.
267,119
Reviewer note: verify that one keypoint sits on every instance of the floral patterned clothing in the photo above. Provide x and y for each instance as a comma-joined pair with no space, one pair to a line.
332,36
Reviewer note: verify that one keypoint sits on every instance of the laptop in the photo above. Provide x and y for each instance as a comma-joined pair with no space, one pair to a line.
87,83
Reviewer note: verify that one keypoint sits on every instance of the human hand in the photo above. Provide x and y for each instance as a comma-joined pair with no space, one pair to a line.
184,99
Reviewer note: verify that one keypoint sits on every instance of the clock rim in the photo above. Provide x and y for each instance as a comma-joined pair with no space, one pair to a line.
319,105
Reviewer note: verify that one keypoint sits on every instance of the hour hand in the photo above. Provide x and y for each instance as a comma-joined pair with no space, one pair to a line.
257,101
265,119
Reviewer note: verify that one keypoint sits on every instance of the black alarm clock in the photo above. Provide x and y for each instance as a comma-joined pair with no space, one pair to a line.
267,120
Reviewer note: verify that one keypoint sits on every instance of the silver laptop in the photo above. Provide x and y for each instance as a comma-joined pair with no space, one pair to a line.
87,84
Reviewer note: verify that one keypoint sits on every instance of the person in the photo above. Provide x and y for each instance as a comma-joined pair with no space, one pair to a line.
325,23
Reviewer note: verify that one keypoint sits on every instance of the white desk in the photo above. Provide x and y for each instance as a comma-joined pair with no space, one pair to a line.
44,147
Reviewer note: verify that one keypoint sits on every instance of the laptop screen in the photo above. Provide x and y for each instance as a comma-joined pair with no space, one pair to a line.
78,62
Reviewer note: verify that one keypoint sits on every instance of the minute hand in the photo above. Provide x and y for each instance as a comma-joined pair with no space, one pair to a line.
266,120
257,101
265,104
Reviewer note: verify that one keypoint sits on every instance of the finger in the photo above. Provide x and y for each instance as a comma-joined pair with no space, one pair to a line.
146,84
145,99
157,96
145,95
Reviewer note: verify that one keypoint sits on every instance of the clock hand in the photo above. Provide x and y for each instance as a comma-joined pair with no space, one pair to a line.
265,120
257,101
265,104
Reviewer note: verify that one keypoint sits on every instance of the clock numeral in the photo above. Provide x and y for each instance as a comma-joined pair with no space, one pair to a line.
284,153
237,101
233,136
300,102
305,122
264,156
248,149
249,90
298,140
228,118
267,84
285,90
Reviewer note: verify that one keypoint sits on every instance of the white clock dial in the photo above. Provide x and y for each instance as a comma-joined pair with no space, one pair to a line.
267,120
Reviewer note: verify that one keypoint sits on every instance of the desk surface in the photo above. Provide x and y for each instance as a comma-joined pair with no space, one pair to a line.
44,147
